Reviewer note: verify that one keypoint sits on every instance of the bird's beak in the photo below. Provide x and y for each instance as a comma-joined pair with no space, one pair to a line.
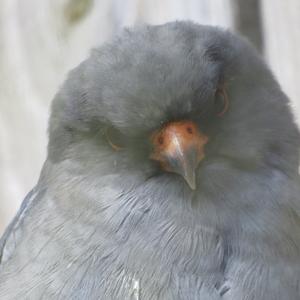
179,147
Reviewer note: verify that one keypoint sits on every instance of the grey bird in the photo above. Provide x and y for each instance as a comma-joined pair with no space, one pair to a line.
172,173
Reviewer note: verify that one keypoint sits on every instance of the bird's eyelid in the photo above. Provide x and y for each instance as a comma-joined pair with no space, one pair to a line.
113,145
223,92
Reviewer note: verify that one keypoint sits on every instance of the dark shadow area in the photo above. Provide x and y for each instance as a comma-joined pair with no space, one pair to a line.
247,18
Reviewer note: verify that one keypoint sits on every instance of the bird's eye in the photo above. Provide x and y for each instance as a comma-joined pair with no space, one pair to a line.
221,102
115,138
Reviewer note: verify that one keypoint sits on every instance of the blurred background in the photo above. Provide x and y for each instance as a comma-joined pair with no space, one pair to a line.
40,40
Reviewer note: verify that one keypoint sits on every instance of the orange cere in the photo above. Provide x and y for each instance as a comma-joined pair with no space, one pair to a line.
166,139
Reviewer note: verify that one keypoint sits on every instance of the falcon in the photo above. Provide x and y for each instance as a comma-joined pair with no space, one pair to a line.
172,173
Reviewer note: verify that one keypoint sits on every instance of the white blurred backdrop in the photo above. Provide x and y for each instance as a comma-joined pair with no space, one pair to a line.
40,40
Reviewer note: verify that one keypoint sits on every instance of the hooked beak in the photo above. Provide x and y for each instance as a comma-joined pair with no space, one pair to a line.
179,148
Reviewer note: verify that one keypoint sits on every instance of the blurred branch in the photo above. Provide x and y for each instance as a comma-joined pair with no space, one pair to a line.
247,18
75,10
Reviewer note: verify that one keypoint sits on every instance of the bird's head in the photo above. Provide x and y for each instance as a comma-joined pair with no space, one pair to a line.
173,99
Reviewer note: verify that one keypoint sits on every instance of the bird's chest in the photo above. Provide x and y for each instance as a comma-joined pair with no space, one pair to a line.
136,249
132,252
143,259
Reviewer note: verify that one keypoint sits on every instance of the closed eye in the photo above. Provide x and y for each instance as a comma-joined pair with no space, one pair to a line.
221,101
114,138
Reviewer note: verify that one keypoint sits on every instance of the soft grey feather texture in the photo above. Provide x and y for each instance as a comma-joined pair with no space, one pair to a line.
105,224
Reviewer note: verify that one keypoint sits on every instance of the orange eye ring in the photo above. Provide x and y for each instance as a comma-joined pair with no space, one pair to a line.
113,145
223,93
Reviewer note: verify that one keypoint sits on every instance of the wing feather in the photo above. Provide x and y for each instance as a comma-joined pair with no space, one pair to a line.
13,232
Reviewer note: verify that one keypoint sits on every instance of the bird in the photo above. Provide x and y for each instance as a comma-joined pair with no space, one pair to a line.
171,173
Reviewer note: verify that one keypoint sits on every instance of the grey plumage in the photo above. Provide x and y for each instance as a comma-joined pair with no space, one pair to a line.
106,224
